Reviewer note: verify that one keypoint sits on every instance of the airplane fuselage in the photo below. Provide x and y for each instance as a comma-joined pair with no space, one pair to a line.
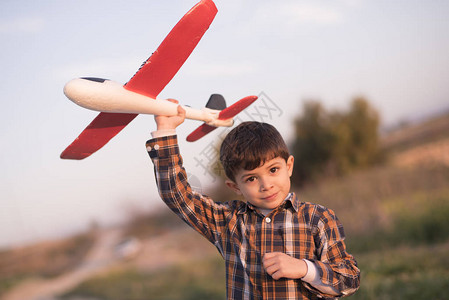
108,96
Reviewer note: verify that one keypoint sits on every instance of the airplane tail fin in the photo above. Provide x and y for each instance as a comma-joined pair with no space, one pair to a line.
225,113
216,101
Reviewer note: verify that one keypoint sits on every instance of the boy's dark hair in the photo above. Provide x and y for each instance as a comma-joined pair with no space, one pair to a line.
249,145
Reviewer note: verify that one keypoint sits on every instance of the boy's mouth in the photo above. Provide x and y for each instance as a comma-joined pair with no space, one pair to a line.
271,197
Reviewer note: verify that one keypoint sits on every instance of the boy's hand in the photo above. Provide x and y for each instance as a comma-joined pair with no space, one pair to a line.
280,265
171,122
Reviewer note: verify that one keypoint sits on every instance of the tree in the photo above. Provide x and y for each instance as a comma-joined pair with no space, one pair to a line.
363,123
332,143
313,142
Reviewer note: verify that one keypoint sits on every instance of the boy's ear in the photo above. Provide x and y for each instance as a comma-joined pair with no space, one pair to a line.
290,164
233,186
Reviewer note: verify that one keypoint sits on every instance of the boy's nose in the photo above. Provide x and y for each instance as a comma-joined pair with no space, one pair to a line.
265,184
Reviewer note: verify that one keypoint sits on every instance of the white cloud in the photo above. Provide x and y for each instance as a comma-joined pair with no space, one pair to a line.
22,25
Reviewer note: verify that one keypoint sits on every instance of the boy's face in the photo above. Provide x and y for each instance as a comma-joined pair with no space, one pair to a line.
266,186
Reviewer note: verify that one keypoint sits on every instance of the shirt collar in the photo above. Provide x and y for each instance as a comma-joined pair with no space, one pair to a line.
245,206
294,201
290,201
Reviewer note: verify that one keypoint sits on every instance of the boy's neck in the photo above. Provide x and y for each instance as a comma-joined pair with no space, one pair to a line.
264,211
267,211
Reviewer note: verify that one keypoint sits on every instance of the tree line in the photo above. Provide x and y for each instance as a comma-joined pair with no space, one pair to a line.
331,143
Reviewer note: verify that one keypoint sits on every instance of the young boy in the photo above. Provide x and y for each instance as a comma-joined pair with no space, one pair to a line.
274,246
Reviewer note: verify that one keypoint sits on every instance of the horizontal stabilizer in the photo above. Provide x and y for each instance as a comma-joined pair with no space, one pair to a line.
225,114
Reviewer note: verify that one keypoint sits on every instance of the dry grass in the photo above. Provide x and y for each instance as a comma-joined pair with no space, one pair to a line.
364,199
45,259
144,224
429,131
434,153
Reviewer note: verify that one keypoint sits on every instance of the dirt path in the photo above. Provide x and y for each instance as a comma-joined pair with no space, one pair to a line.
100,258
158,252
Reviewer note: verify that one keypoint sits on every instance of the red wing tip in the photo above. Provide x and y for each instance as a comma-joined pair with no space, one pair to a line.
247,100
252,98
74,156
201,131
193,137
190,138
208,5
211,4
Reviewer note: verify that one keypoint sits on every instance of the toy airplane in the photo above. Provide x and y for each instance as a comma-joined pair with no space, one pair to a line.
108,96
120,104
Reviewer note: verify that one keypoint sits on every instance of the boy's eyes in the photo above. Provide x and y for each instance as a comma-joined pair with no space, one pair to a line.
250,179
253,178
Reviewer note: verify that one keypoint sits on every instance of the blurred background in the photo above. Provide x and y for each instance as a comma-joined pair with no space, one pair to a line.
358,88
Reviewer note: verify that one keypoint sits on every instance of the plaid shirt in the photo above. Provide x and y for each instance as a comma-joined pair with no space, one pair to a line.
242,235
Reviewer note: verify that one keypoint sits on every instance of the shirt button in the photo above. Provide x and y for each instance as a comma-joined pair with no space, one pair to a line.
156,147
268,220
149,148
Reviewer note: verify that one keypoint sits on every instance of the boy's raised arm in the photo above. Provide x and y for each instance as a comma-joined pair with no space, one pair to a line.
198,211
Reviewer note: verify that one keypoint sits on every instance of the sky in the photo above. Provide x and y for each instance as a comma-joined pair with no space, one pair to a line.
394,53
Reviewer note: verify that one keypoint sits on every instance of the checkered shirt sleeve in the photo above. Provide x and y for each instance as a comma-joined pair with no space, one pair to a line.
198,211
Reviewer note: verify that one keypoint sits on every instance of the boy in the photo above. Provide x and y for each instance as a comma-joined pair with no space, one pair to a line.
274,246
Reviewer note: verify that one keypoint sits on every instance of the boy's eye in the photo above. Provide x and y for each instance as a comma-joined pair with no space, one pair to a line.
250,179
274,170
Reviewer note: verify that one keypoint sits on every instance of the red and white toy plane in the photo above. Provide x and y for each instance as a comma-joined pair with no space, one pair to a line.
120,104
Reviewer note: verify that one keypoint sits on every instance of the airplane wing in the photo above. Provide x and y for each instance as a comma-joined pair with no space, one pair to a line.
149,80
225,114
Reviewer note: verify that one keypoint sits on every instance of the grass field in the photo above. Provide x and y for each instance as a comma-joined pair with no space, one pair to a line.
398,273
397,225
397,228
192,280
405,272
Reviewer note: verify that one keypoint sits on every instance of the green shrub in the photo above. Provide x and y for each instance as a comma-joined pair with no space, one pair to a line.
420,272
426,224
